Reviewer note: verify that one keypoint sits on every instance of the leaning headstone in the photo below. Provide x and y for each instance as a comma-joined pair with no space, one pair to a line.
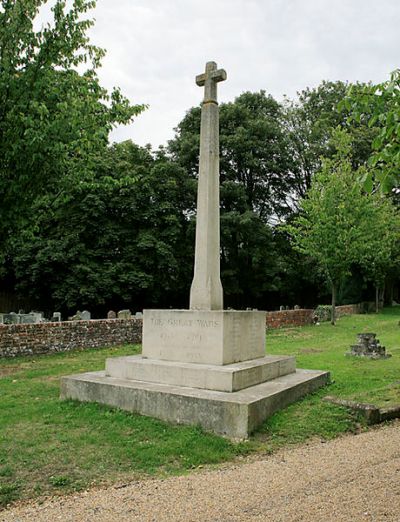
85,315
124,314
203,365
368,346
77,316
111,315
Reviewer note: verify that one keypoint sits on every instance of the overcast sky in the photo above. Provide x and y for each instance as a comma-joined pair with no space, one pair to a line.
155,48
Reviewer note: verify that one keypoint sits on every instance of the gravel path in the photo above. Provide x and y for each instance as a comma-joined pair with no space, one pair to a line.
354,478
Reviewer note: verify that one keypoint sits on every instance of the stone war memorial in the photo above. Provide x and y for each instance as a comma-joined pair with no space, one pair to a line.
203,366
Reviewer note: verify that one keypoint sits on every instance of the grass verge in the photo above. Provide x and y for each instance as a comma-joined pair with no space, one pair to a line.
50,447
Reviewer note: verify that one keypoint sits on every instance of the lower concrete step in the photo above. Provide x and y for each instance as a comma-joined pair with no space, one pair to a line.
228,378
234,415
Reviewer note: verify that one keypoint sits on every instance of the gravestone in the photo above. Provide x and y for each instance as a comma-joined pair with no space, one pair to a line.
56,318
204,365
111,314
27,319
86,316
77,316
11,318
124,314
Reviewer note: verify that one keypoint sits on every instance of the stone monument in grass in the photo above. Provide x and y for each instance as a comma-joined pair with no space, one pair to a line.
205,365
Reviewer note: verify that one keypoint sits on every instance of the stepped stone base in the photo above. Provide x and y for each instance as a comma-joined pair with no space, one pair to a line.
233,414
228,378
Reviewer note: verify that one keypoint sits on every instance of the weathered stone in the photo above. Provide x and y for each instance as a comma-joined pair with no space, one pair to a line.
11,318
111,315
27,319
228,378
86,316
235,415
206,289
200,336
37,316
124,314
368,346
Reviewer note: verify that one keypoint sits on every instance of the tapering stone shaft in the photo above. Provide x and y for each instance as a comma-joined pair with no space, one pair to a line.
206,290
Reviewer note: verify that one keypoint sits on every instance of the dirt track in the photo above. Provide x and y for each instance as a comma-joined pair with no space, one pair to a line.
354,478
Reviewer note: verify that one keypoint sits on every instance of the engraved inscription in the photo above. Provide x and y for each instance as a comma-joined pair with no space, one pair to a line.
203,323
207,324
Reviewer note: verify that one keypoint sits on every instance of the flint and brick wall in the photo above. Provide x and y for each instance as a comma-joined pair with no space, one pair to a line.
348,310
304,316
286,318
32,339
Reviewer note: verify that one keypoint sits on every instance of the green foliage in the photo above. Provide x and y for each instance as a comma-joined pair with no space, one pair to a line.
256,182
334,226
323,312
310,121
121,237
255,160
54,120
379,107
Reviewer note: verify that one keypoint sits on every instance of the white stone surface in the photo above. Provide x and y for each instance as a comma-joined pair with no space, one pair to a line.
235,415
228,378
204,337
206,290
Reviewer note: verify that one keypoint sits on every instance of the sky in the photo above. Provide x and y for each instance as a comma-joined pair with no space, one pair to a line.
155,48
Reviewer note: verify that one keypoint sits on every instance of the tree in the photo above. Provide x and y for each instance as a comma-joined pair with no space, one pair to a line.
118,240
54,120
381,252
310,121
255,185
255,160
333,226
379,106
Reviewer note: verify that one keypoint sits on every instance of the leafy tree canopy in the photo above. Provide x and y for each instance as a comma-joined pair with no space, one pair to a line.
379,107
310,121
335,225
54,119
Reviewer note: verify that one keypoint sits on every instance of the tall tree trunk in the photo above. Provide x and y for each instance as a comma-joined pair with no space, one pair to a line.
333,311
376,298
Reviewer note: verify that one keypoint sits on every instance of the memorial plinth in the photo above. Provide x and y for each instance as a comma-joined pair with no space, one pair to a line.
204,366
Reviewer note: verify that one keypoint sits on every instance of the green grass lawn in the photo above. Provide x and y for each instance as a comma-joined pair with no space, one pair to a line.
49,447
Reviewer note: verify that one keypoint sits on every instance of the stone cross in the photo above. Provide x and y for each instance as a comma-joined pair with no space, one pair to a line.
206,289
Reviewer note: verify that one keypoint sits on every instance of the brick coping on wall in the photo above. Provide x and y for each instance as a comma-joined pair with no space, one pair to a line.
41,338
